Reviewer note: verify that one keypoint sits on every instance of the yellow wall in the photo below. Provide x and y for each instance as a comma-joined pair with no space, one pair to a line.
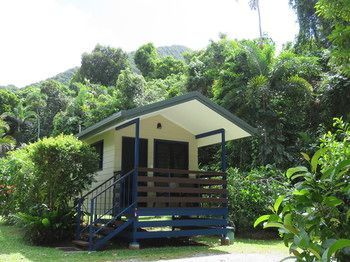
148,129
108,155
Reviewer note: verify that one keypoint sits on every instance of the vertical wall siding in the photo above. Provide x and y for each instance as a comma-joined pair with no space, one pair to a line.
108,156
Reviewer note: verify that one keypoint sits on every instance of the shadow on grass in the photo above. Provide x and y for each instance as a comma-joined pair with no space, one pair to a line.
14,248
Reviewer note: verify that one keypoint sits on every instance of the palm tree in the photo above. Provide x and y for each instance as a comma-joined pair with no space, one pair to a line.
5,140
21,115
254,5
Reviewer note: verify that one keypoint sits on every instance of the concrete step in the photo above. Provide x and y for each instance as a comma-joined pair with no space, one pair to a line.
81,243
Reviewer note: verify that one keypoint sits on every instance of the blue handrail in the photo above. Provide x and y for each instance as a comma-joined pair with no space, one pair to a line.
93,209
105,206
80,203
113,184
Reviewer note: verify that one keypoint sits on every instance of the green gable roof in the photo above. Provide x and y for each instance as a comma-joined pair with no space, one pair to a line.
139,111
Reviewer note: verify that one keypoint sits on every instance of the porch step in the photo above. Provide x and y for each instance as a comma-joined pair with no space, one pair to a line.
81,243
106,230
117,223
189,222
182,211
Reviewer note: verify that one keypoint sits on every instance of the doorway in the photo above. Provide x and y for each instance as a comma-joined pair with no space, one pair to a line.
128,157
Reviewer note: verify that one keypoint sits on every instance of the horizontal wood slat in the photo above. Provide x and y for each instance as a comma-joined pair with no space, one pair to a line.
181,200
182,180
181,233
190,190
181,171
181,211
182,223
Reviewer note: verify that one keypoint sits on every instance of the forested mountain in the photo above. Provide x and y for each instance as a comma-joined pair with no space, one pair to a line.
65,76
175,51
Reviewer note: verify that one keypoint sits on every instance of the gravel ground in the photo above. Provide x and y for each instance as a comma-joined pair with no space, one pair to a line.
232,258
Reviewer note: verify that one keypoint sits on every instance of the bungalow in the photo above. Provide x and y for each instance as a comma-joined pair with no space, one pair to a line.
149,168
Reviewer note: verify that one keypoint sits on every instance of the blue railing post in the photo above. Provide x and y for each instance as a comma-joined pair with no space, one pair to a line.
223,162
78,218
136,121
223,152
136,158
136,172
91,228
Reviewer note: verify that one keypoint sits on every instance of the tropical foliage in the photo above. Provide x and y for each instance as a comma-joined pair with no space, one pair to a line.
251,194
314,216
39,183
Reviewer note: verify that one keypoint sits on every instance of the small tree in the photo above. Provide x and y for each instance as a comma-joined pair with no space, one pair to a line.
41,181
314,217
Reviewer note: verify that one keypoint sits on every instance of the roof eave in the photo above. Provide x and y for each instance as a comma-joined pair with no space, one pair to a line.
135,112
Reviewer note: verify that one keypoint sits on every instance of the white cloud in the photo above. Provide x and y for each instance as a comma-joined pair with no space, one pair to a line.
41,38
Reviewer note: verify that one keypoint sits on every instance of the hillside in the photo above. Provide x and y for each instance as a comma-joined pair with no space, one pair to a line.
175,51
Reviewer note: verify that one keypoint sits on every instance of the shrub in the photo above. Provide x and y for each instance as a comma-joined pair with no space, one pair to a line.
314,217
49,173
251,194
44,226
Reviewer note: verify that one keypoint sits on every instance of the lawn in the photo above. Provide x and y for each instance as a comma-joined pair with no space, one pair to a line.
14,248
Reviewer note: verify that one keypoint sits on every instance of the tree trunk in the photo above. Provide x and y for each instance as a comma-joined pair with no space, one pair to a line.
259,15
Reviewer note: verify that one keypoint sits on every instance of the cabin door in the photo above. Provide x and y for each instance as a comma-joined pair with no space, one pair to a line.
128,156
170,154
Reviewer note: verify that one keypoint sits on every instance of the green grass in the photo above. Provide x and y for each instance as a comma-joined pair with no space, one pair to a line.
14,248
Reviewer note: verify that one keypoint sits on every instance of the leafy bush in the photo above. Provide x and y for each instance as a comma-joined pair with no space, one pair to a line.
44,226
49,173
251,194
314,217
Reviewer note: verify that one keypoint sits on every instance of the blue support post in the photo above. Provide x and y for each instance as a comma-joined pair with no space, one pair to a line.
223,147
224,238
223,152
78,218
91,228
134,243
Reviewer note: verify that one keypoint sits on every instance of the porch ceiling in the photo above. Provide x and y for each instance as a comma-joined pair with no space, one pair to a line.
193,112
198,118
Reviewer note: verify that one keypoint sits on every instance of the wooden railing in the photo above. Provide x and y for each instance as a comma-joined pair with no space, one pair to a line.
158,187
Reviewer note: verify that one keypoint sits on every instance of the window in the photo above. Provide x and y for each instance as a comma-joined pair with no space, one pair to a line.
99,149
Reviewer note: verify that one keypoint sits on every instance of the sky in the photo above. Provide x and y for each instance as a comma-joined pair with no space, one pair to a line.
41,38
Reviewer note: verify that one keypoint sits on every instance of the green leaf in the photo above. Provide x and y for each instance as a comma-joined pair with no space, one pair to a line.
300,192
45,222
313,251
343,165
278,203
261,219
332,201
291,229
293,170
306,157
297,175
273,224
288,219
315,158
337,245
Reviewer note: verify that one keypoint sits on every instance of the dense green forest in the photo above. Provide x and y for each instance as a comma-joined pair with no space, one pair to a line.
291,96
